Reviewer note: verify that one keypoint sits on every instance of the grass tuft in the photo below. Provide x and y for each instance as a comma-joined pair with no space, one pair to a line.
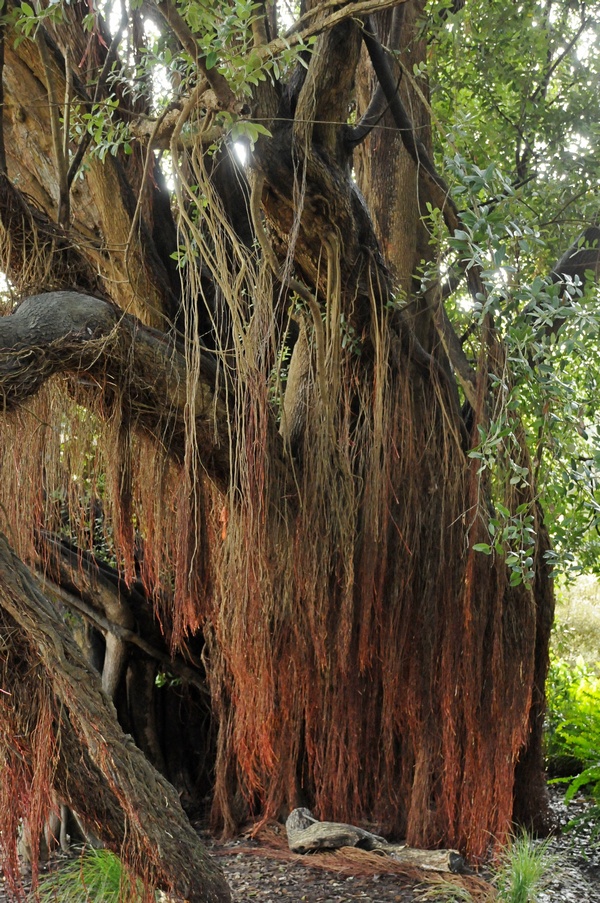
524,871
98,876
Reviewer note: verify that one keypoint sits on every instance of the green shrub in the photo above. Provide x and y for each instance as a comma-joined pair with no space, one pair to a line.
573,734
573,717
523,871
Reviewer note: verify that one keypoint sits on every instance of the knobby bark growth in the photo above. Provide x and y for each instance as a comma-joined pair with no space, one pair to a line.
256,458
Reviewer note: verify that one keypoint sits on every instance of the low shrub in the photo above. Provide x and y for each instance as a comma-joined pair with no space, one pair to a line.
573,735
573,718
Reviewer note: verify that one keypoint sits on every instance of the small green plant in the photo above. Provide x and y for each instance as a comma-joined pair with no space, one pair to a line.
524,870
573,727
97,876
573,717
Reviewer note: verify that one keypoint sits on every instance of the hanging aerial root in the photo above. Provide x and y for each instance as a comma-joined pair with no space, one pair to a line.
98,770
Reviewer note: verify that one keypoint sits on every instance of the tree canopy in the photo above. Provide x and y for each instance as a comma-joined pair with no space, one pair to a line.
299,375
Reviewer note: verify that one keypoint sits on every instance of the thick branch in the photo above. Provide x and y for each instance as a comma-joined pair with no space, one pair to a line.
105,626
57,134
226,97
320,22
378,105
73,334
141,808
580,261
411,141
582,257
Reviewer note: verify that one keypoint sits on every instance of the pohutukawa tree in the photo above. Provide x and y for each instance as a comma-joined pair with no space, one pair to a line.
281,310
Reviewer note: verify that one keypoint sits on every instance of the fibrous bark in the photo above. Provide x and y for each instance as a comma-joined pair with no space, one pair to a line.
116,793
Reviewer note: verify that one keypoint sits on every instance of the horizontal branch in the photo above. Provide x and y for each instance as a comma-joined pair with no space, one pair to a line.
321,21
159,131
76,335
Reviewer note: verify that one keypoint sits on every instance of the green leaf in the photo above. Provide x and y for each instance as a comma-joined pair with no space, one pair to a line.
483,547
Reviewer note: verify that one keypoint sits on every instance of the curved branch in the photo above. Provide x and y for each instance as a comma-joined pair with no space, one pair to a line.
579,262
412,143
582,257
104,625
73,334
378,105
140,808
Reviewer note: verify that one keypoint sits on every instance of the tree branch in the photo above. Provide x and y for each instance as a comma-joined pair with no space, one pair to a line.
142,811
74,334
57,136
226,97
105,625
378,104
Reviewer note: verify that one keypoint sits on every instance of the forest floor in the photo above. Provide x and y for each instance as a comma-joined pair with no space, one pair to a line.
261,869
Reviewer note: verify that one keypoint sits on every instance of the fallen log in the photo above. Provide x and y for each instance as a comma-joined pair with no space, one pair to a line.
307,834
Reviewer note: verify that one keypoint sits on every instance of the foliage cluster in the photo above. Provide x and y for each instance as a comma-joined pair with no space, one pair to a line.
573,692
524,115
573,719
573,732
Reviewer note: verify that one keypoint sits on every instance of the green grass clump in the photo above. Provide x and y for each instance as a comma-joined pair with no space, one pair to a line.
98,876
524,870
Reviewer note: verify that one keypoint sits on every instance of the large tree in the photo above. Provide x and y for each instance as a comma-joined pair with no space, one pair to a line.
282,303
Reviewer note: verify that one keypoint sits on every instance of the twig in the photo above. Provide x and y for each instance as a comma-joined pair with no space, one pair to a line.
108,62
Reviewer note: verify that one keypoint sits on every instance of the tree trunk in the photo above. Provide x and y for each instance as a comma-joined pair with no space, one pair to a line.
317,531
94,767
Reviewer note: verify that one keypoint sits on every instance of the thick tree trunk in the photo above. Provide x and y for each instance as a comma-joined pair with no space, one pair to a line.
362,657
98,770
